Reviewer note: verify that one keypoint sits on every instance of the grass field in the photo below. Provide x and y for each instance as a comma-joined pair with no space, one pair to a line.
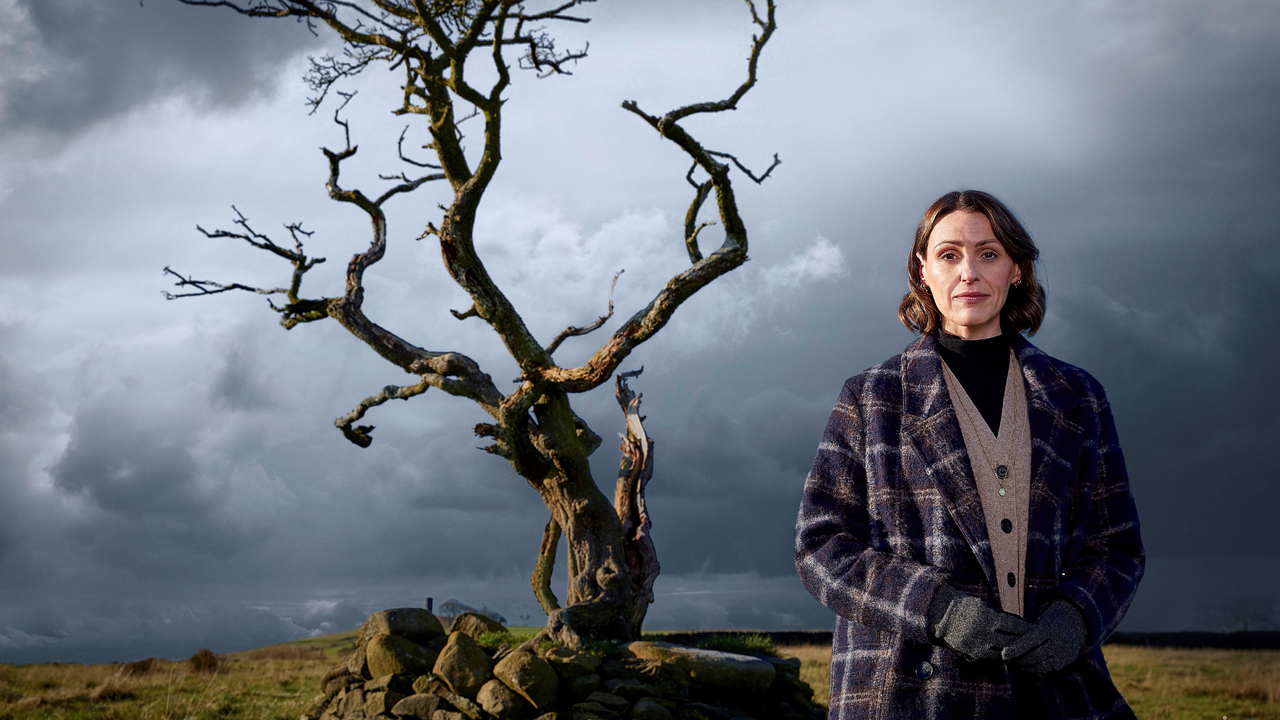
1176,684
279,682
275,682
1159,683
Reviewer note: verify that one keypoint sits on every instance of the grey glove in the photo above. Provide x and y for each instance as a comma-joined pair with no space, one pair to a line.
1053,643
970,626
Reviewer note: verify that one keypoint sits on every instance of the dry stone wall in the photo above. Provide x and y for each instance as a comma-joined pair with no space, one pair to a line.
406,667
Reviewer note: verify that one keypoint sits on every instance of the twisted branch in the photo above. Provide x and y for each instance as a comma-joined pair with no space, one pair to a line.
541,577
360,435
731,253
691,226
767,26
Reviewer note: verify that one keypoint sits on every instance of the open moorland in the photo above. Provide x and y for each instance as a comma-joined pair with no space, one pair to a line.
279,682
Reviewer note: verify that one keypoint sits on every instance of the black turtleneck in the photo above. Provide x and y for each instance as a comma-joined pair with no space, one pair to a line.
982,367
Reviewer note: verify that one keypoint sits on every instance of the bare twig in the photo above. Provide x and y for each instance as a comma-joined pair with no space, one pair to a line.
411,161
743,168
209,287
577,331
296,310
691,228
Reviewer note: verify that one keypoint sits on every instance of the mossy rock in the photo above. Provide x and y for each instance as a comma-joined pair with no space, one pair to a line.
413,624
529,676
502,702
463,665
475,625
418,706
389,654
725,672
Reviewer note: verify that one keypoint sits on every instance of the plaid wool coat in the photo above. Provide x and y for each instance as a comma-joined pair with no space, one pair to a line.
891,510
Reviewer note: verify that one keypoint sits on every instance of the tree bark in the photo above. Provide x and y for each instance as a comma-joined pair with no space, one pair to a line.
628,502
600,591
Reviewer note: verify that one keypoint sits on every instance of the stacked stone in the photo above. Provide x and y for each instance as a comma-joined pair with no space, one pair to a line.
406,667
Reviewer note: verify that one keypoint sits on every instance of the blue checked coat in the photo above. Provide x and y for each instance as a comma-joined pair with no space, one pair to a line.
890,511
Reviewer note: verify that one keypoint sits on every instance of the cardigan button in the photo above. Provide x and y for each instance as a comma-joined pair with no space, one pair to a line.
1006,526
924,670
1012,580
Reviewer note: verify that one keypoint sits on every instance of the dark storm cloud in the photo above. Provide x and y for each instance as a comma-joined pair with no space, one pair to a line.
100,630
89,61
203,498
120,466
1198,100
1181,341
727,479
236,387
152,507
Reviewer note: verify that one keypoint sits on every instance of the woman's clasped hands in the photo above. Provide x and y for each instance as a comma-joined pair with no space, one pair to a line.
976,630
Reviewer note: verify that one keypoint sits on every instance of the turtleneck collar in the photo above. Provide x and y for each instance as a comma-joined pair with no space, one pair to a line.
982,367
987,351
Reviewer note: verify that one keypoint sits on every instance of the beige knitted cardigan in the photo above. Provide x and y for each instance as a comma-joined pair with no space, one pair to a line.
1006,515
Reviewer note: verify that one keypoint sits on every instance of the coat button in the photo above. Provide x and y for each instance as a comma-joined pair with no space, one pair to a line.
1012,580
924,670
1006,526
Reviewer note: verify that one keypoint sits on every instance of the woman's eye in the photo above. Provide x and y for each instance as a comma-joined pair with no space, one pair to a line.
990,255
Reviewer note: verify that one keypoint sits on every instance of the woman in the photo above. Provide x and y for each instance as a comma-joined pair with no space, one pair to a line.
968,517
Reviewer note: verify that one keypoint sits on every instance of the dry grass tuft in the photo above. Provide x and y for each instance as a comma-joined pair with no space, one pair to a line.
815,668
285,652
111,691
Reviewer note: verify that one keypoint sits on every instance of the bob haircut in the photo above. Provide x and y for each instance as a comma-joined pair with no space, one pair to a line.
1023,308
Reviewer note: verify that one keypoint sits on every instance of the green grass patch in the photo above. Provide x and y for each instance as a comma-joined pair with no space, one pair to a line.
603,648
495,640
753,644
511,636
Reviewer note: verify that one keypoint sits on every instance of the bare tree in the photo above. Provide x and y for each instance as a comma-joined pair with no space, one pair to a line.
612,561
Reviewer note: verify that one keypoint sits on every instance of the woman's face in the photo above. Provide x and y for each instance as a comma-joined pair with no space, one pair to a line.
969,274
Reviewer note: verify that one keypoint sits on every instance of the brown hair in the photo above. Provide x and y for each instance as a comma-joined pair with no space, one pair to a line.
1023,308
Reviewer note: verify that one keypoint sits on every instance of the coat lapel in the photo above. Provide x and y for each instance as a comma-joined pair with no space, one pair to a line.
1056,435
932,427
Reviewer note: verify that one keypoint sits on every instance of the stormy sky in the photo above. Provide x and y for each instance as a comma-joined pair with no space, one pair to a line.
170,477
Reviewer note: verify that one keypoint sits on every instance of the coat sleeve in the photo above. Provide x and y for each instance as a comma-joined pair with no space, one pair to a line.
834,553
1103,579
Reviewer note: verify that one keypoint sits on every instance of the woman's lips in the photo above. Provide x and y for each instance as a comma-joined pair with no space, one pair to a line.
972,297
